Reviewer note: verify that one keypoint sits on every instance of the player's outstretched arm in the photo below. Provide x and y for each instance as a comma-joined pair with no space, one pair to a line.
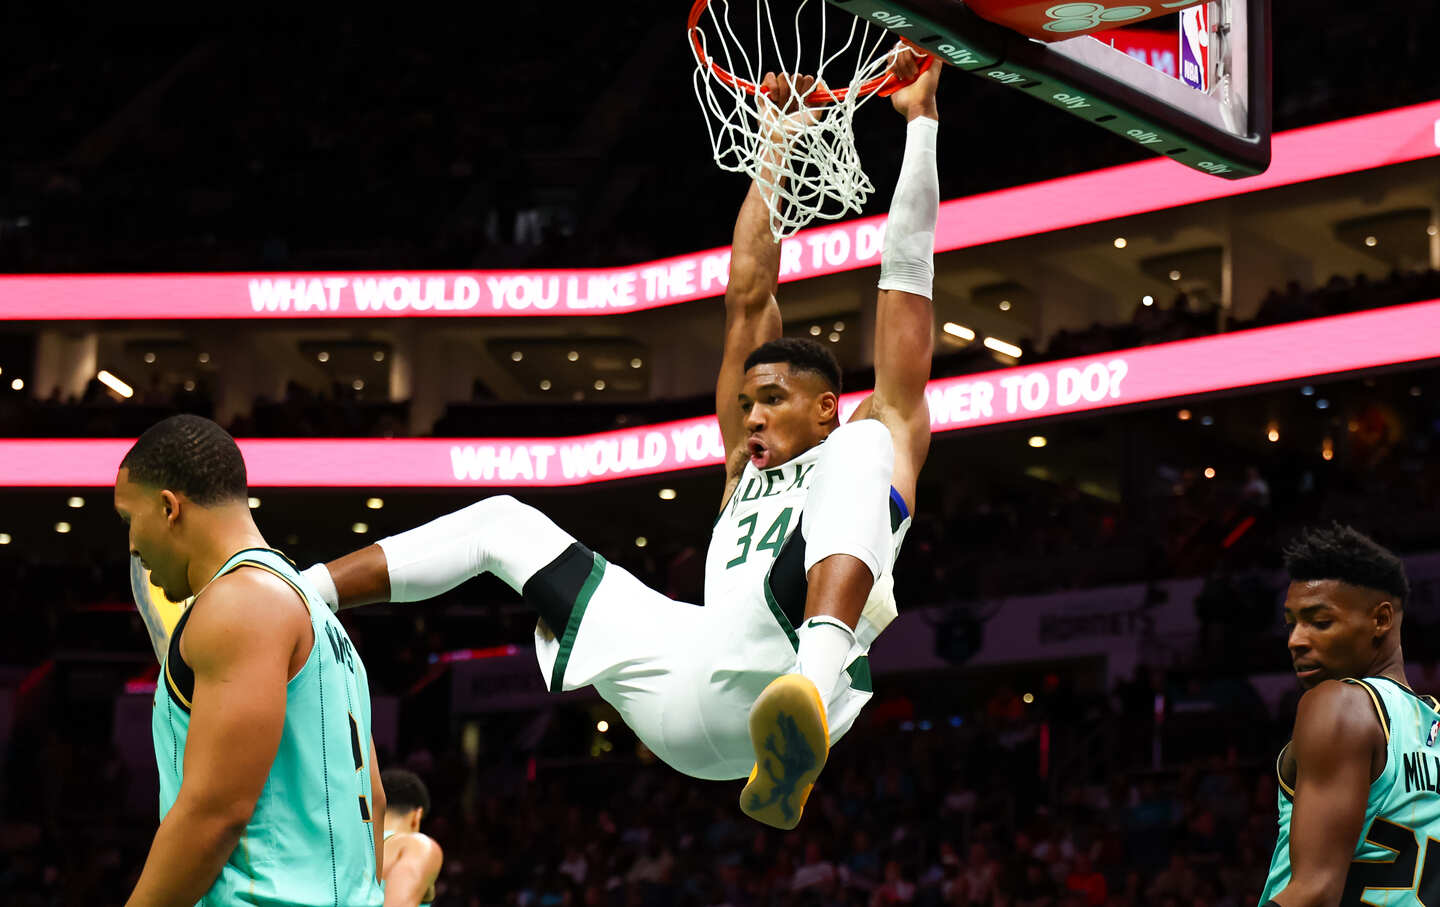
904,319
1337,738
239,642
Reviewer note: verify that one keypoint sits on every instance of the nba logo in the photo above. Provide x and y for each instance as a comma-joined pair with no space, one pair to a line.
1434,732
1195,46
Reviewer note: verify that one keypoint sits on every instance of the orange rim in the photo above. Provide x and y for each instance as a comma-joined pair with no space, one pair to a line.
875,86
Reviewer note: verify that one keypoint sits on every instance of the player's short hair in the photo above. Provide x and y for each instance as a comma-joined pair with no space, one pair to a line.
1343,553
189,454
801,355
404,791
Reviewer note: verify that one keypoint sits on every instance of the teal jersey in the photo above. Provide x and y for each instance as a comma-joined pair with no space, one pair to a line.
1397,859
309,841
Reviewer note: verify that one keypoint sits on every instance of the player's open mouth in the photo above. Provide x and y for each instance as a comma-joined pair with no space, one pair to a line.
1306,671
759,453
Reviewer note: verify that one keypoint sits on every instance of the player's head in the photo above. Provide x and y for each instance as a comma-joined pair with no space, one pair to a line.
179,469
1344,603
407,801
790,398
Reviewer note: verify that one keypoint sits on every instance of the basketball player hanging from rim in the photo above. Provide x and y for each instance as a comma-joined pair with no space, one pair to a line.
773,669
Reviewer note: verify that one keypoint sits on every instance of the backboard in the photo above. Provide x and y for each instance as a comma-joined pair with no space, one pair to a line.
1214,118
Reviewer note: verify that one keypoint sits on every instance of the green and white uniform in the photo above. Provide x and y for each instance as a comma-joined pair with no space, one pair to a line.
1397,859
309,840
684,677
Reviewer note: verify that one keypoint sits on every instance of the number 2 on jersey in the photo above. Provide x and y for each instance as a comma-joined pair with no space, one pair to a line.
772,539
1397,874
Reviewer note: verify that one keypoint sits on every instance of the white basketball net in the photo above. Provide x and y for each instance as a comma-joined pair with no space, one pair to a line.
805,161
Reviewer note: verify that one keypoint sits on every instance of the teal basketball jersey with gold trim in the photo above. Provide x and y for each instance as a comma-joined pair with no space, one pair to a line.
1397,859
309,840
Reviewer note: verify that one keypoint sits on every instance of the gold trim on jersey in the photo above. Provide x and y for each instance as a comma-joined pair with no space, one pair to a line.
1379,705
170,681
1280,775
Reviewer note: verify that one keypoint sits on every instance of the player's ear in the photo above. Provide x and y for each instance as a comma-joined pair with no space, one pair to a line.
1384,617
827,406
170,504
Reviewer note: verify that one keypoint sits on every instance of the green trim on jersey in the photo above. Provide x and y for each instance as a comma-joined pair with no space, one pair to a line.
572,626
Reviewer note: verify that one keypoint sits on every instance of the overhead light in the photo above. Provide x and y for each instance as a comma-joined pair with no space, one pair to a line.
204,358
1273,434
834,336
18,384
149,358
1000,346
1028,698
115,384
1307,391
516,356
1147,300
1209,472
1327,449
1432,230
359,528
323,356
815,330
636,363
1120,242
840,326
1371,241
602,726
1004,305
1183,415
253,502
358,384
544,384
641,541
1322,403
599,384
1207,420
4,538
75,502
189,384
1415,390
573,356
1038,441
958,330
378,355
1174,275
62,528
667,494
374,503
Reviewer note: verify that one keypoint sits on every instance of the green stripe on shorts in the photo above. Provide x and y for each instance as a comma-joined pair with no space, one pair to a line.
572,626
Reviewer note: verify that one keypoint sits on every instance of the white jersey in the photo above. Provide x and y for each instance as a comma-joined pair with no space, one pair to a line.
755,567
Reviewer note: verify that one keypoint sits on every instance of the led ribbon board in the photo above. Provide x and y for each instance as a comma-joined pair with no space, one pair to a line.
1342,343
1225,132
1316,152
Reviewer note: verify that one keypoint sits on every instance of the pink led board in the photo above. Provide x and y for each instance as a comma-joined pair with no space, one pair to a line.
1249,358
1376,140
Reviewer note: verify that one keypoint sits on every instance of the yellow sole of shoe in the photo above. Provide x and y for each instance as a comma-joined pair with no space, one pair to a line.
792,741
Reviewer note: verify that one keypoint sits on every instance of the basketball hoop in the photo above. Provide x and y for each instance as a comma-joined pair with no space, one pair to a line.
804,157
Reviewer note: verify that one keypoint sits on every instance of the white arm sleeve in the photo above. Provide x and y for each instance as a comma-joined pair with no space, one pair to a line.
908,262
